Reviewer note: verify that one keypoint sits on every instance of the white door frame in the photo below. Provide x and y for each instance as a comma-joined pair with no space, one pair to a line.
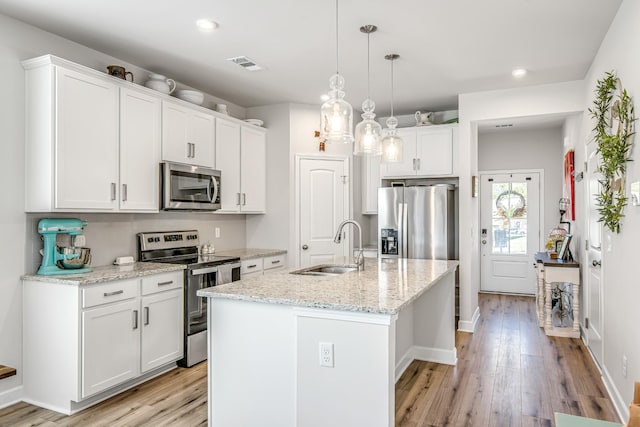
347,197
540,173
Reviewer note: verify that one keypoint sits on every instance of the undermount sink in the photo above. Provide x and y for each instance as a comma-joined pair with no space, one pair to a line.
326,270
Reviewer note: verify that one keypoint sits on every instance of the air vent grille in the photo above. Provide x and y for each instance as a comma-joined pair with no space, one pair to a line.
246,63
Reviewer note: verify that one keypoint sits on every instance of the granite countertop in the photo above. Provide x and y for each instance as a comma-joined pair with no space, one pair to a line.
385,286
249,253
108,273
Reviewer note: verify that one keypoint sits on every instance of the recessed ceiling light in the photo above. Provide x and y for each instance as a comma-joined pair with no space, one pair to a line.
206,24
519,72
324,97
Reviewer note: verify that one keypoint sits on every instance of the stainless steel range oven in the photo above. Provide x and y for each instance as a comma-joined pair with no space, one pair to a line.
203,271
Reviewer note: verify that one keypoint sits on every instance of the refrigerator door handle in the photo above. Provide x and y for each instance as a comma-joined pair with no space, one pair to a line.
400,230
405,234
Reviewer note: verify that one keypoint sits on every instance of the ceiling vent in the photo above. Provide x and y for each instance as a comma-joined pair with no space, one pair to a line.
246,63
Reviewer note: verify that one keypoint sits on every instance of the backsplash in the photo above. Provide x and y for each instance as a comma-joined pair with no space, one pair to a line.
112,235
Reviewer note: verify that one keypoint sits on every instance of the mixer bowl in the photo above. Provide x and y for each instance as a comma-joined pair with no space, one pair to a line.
84,257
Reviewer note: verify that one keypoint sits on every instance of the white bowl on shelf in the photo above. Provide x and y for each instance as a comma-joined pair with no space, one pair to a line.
192,96
256,122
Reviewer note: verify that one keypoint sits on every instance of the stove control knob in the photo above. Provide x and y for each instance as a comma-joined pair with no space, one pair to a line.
150,239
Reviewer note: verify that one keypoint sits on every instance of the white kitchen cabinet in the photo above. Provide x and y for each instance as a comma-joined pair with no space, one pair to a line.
370,184
241,157
262,265
110,338
71,139
188,135
140,124
83,343
428,151
162,317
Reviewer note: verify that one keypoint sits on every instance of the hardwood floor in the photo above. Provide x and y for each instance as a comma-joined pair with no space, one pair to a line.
508,374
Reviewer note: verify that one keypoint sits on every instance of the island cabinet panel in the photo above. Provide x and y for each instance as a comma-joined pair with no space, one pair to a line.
355,392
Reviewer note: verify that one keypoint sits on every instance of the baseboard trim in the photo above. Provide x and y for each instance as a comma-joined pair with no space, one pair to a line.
11,396
469,326
426,354
614,394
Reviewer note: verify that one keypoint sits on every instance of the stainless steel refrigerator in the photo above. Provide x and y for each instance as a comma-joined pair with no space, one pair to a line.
417,222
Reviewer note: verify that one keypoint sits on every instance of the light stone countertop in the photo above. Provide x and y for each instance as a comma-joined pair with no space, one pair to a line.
250,253
108,273
385,286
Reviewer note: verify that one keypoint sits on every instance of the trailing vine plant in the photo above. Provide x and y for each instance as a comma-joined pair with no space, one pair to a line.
614,115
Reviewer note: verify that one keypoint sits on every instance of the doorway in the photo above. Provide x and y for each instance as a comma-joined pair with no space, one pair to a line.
509,230
322,199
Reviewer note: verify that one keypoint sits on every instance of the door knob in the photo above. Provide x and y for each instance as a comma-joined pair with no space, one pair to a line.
305,247
596,263
484,242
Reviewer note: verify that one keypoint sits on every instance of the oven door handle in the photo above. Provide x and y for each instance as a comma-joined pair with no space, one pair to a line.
201,271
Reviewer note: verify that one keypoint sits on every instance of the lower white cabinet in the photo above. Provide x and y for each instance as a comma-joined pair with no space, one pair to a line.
262,265
82,340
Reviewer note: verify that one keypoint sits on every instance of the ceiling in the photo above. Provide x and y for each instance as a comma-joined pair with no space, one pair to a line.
445,47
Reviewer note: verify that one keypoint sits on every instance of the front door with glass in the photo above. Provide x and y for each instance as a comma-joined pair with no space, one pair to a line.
510,231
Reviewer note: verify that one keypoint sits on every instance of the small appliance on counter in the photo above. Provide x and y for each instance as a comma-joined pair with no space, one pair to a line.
202,271
63,260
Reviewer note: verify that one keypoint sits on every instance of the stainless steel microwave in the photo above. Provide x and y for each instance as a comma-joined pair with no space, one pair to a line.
193,188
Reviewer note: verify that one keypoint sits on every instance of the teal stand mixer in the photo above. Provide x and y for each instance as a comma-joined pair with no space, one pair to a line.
56,260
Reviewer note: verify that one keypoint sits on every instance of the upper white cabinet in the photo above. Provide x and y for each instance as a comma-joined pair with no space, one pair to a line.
91,145
71,140
140,116
428,151
241,157
188,135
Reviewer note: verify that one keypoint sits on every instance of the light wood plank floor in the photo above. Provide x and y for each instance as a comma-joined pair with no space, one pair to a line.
508,374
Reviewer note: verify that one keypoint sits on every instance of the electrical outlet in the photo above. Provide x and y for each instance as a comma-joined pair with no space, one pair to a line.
217,232
326,354
624,366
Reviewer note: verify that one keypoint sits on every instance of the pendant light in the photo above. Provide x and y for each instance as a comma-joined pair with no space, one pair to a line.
392,144
336,114
368,133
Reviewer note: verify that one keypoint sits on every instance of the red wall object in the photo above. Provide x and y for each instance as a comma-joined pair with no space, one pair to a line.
569,186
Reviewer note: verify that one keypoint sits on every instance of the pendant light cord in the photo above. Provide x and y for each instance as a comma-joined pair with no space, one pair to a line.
368,66
337,68
392,88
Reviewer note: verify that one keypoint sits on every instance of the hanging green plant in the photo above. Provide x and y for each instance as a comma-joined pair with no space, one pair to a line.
614,115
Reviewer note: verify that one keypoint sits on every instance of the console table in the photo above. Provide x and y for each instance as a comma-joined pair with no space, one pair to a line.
550,271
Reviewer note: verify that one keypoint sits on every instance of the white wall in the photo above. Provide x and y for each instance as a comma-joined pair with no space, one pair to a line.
108,235
619,52
528,149
561,98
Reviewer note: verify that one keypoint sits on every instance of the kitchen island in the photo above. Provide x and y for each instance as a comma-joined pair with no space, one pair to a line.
302,350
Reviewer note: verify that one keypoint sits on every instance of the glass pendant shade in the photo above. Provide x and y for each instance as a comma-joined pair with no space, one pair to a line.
392,144
368,133
336,114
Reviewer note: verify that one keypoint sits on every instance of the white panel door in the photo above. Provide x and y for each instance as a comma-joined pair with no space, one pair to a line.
228,162
162,329
86,142
593,287
253,172
406,166
140,125
110,346
510,232
201,134
434,151
323,198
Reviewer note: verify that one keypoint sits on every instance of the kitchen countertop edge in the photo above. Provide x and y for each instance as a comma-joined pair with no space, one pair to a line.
108,273
251,253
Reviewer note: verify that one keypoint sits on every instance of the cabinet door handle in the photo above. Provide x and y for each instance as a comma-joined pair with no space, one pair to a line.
124,192
193,155
135,319
146,316
244,199
113,191
418,162
165,283
110,294
188,150
414,164
252,266
275,262
238,199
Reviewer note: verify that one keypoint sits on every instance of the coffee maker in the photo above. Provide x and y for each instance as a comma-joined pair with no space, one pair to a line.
62,260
